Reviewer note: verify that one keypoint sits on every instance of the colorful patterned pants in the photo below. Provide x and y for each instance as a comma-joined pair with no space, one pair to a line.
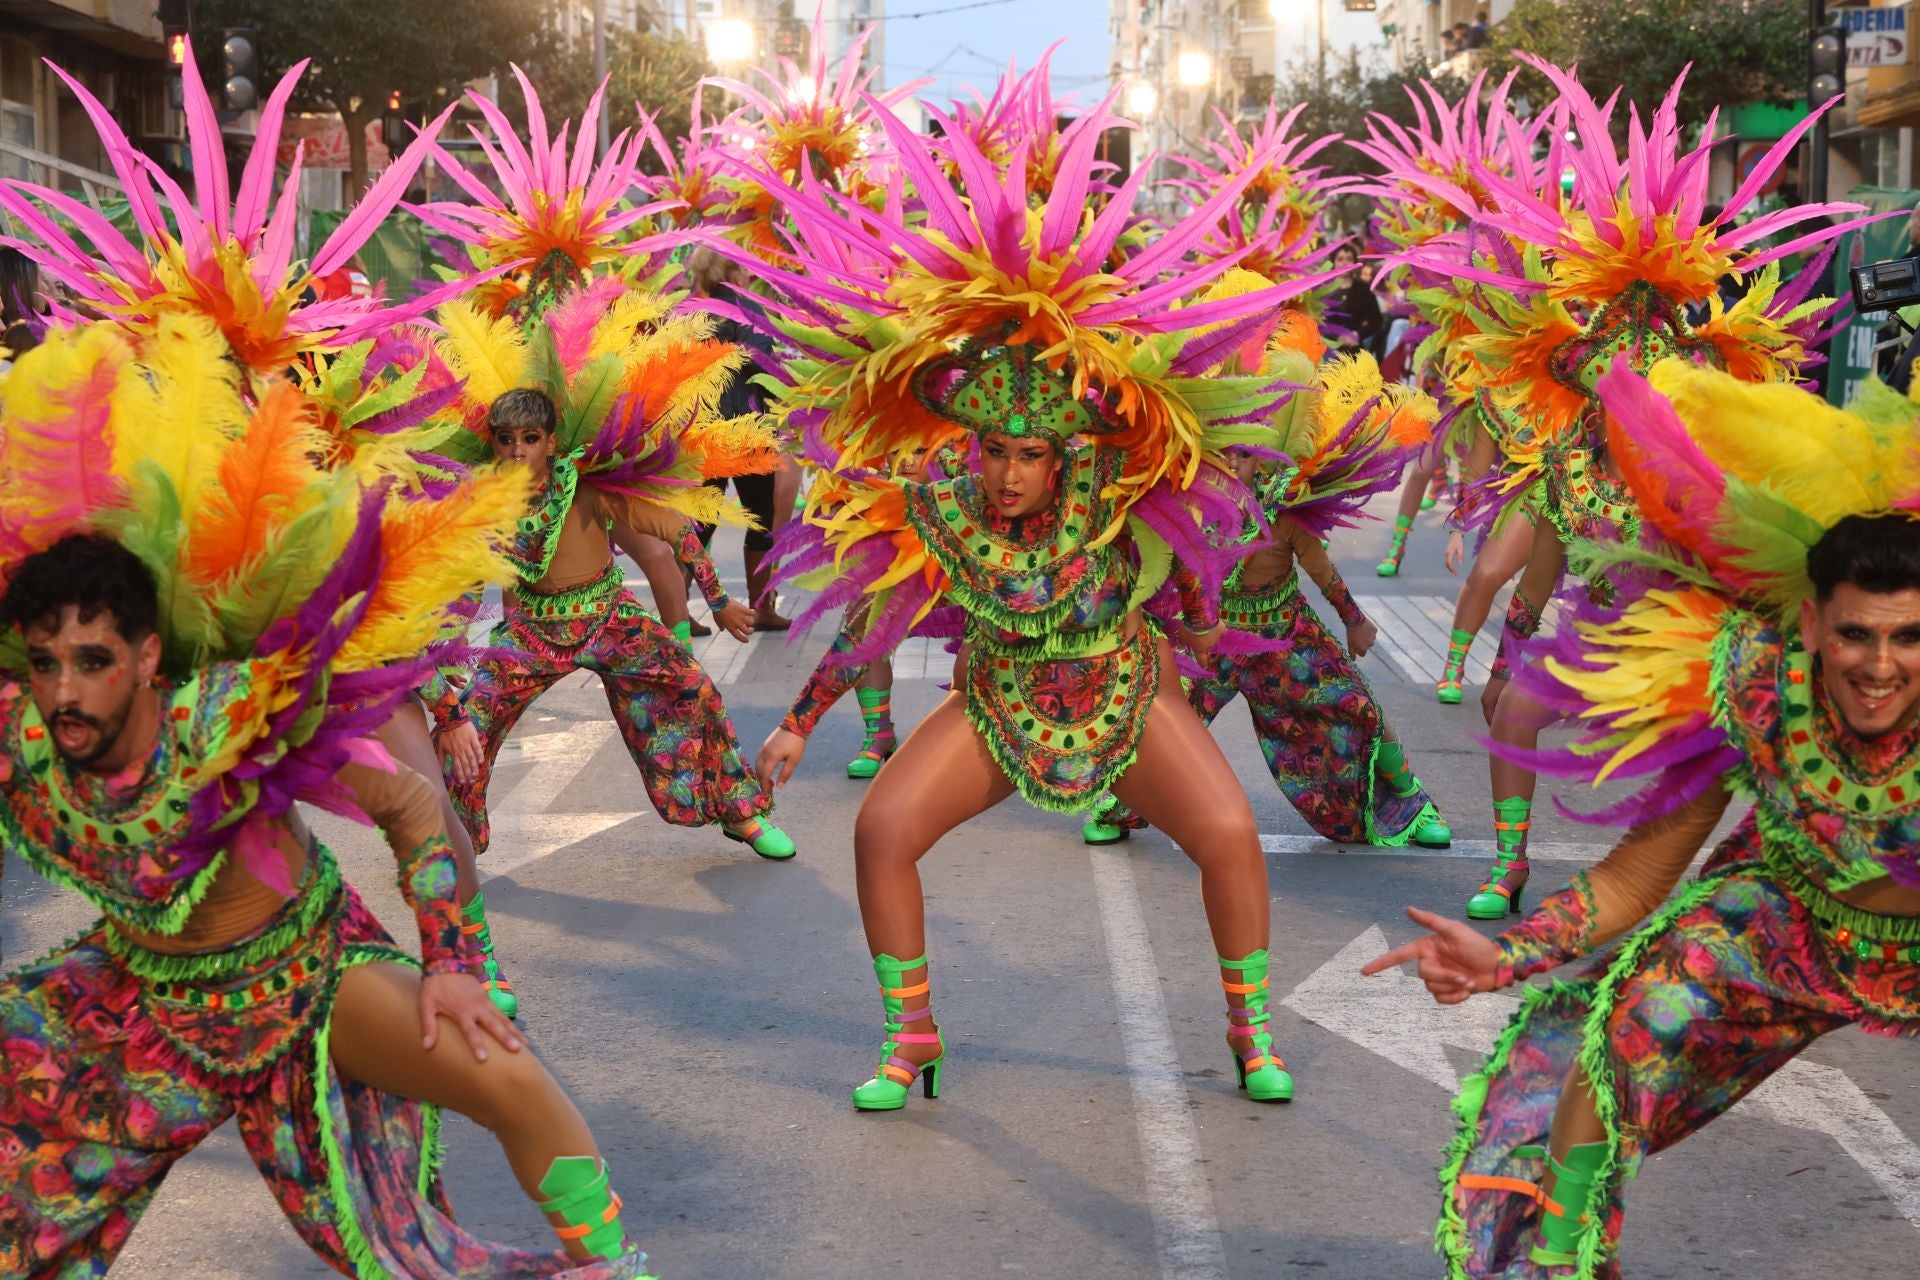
1319,728
1720,990
668,712
113,1073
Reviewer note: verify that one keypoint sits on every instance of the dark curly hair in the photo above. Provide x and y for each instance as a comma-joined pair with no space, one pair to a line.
87,570
1879,553
522,407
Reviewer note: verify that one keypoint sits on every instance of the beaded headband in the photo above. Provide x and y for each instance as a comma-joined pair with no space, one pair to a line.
1008,389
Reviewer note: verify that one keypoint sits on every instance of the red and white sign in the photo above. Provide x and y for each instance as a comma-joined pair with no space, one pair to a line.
326,143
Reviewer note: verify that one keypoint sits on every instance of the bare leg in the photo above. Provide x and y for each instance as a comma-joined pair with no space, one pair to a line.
375,1040
941,776
1181,782
406,738
1504,555
666,577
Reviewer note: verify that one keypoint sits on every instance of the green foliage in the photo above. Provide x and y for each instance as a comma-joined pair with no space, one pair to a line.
1741,51
363,50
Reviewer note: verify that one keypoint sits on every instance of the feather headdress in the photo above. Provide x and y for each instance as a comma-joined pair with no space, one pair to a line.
819,123
1739,481
899,321
559,216
231,260
636,387
1278,228
321,589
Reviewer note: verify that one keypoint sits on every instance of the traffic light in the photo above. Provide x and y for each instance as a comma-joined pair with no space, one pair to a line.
239,69
176,23
1826,64
393,124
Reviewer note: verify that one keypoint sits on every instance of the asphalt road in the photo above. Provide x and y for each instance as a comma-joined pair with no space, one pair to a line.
710,1011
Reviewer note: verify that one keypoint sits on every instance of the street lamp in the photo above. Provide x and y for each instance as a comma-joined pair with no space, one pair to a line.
730,40
1195,69
1142,99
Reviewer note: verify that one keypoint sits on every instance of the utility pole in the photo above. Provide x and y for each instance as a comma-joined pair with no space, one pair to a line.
600,70
1320,12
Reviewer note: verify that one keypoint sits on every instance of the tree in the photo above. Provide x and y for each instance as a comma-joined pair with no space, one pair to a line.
363,50
1741,51
659,72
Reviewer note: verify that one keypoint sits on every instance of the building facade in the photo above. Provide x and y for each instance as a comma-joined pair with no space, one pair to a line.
115,49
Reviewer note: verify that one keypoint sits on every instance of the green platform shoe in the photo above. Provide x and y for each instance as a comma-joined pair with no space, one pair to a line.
1453,676
1397,549
1563,1219
1097,830
1261,1072
765,839
1428,829
876,706
492,981
1496,898
893,1079
577,1192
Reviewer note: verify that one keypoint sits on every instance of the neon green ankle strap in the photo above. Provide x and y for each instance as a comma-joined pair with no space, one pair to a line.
1511,820
683,631
871,698
579,1194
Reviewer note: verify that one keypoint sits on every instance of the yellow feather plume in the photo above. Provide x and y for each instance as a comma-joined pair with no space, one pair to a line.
181,416
489,353
432,553
1823,461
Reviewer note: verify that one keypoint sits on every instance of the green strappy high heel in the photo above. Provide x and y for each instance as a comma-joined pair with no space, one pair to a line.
876,706
577,1191
1397,550
1262,1074
1495,899
893,1079
1453,676
498,989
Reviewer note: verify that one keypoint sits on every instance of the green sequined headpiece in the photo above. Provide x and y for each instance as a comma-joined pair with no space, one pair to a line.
1006,388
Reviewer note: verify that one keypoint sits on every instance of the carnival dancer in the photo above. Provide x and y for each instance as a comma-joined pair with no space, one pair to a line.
1766,642
1346,436
210,626
1629,251
1021,325
569,610
1442,143
225,255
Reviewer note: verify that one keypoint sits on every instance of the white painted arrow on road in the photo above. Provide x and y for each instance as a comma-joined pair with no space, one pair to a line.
523,830
1392,1015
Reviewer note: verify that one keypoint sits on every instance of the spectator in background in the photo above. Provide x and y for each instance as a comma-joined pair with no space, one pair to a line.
1477,33
1449,44
1353,320
722,280
22,321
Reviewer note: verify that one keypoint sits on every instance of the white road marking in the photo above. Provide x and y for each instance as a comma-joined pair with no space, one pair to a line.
1415,644
523,829
1185,1228
1392,1016
1472,850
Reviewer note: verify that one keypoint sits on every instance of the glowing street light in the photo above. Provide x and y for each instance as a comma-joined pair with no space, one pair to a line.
1142,99
1195,69
730,41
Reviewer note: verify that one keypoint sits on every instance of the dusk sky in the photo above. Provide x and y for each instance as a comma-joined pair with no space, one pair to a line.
972,46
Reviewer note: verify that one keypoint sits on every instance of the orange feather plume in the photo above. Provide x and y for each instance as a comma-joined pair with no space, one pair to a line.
264,473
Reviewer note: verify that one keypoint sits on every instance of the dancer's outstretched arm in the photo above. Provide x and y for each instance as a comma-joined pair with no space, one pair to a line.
1455,960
